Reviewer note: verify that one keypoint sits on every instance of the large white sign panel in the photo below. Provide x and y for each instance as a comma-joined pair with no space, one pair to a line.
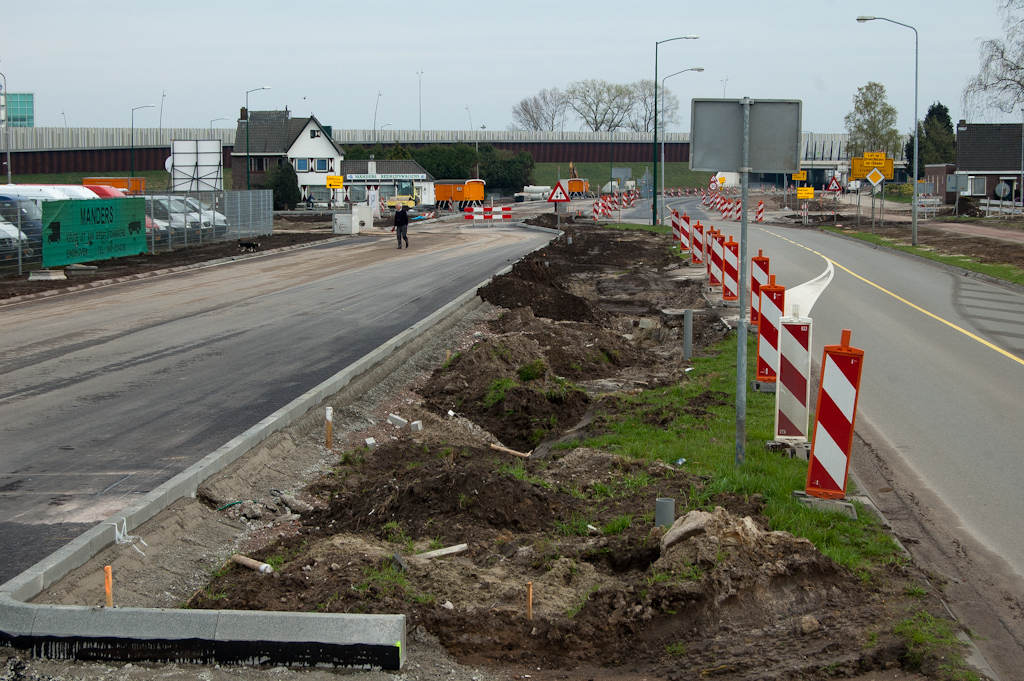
197,165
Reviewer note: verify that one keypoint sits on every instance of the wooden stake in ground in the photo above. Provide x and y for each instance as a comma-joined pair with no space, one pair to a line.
330,428
511,451
108,583
529,600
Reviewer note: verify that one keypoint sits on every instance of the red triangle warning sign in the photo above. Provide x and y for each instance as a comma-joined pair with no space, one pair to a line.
833,186
558,194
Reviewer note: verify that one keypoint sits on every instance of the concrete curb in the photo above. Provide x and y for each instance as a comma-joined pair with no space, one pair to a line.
235,637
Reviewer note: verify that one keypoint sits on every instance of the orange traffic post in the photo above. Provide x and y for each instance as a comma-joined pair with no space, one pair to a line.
529,600
834,418
773,303
758,278
108,583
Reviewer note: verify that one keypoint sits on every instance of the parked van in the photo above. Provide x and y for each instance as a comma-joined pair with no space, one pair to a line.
10,238
16,209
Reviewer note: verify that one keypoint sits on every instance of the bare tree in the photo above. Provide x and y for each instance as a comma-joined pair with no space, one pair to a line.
641,112
999,83
546,110
602,106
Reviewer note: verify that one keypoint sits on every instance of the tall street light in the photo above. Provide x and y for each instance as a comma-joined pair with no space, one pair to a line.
248,119
913,222
420,74
375,117
654,186
144,106
382,132
7,134
223,118
695,68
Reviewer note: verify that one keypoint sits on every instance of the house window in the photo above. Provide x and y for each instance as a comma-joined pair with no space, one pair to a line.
321,165
302,165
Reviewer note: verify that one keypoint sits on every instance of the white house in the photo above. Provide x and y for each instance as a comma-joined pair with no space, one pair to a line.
314,155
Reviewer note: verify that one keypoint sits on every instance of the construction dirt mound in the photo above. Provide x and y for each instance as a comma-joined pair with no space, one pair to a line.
717,595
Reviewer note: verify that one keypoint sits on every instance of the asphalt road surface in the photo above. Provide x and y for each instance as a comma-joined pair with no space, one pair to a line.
939,407
107,393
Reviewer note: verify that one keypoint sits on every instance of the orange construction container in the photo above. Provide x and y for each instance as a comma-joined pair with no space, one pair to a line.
577,185
458,190
132,185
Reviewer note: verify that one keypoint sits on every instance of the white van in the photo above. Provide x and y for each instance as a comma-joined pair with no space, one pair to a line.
35,192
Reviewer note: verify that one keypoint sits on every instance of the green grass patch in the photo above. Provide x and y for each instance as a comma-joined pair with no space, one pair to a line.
1008,273
496,391
929,637
676,649
576,525
677,174
517,469
618,525
388,580
531,371
707,442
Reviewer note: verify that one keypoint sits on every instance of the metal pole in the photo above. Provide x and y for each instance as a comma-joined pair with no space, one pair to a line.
662,213
420,74
1020,189
654,178
741,325
687,334
7,145
132,155
248,119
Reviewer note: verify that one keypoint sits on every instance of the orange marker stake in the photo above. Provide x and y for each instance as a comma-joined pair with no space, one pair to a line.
529,600
108,579
330,428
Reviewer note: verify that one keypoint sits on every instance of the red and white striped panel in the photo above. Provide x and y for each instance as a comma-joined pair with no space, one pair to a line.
730,270
684,233
793,389
758,278
676,237
489,213
704,198
737,213
716,242
773,302
834,419
697,243
760,210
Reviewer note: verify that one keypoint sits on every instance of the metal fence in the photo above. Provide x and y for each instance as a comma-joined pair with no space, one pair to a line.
173,220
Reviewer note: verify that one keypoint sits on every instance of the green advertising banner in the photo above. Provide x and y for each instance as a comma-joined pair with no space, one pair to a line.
93,229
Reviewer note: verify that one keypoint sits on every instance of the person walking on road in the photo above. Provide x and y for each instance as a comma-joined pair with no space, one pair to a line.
401,227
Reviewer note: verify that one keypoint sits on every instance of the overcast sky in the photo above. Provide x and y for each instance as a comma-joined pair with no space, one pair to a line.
94,61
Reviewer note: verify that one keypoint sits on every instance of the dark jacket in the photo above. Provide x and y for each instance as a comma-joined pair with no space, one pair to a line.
401,217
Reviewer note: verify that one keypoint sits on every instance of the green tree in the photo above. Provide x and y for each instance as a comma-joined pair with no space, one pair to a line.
396,153
285,185
505,170
872,123
447,161
938,142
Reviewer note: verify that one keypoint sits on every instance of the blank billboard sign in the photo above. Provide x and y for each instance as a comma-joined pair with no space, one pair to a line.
716,135
196,165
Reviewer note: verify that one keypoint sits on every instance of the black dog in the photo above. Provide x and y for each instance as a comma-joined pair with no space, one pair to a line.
248,246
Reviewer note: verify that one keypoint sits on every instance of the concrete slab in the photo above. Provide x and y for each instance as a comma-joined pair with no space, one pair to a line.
833,505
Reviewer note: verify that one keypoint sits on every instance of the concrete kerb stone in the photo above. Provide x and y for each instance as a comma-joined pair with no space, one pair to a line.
14,594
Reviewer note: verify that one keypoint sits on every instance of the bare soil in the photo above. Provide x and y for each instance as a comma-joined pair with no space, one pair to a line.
612,598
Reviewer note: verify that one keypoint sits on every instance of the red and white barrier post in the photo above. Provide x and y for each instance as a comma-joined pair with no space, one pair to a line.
760,211
793,389
730,270
697,244
773,302
716,243
737,213
684,233
676,236
836,413
758,278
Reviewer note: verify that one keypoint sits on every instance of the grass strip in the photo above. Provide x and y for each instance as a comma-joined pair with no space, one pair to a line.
1009,273
704,435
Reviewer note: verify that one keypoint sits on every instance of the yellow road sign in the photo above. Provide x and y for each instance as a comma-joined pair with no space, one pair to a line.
335,181
801,176
875,176
805,192
859,169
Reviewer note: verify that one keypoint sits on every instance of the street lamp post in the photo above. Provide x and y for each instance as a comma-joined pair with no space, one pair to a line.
382,132
654,186
420,74
7,134
695,68
132,156
248,119
375,117
470,114
223,118
913,211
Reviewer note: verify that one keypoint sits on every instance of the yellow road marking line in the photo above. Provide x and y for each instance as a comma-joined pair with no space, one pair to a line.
920,309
